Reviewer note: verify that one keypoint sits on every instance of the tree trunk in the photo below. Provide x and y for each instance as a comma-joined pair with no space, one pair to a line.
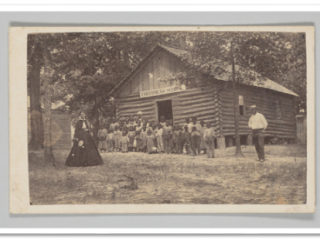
48,154
238,152
36,121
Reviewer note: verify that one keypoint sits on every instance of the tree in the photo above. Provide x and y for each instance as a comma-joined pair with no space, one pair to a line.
33,79
46,44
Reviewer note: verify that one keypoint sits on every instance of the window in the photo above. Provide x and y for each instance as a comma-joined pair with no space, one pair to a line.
278,110
241,105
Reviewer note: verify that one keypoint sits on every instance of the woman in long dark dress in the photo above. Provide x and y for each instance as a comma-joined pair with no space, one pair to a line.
84,151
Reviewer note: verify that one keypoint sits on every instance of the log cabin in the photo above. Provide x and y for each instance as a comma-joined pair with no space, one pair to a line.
208,99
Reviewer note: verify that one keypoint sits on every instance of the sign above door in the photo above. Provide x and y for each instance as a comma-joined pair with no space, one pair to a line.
161,91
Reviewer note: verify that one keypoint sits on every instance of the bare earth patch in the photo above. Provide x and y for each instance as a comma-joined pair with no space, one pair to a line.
139,178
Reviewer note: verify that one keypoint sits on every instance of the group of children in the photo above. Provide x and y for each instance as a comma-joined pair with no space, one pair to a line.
142,136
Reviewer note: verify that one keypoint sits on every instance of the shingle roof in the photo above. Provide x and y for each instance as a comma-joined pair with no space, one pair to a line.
267,83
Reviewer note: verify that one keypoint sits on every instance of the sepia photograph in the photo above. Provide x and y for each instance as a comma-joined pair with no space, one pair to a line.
167,117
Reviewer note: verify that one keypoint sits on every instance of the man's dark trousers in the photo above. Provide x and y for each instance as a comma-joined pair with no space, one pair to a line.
258,138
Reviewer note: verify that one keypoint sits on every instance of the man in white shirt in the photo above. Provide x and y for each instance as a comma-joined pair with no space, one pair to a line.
258,124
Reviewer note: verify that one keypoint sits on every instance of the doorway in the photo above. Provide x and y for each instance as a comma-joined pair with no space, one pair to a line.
165,109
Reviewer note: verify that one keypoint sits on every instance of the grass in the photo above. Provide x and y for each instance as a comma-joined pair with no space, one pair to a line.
139,178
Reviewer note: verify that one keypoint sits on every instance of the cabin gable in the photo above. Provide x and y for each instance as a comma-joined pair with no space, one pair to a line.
160,65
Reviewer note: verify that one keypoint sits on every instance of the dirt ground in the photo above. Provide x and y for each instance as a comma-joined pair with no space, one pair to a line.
177,179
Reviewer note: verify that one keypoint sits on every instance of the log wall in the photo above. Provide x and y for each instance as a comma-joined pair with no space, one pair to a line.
283,127
201,102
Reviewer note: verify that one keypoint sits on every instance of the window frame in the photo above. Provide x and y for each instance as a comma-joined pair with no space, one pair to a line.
277,104
243,105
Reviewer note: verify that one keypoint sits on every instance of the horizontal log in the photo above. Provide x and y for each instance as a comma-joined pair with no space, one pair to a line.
279,131
136,104
266,135
271,122
206,120
201,99
269,117
203,105
134,111
137,108
263,108
258,94
130,113
195,113
230,124
273,133
198,115
196,92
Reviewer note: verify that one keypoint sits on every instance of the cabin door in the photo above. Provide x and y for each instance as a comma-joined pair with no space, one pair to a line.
165,109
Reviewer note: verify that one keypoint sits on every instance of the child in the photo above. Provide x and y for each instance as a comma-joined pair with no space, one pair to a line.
202,142
209,136
131,121
187,123
152,123
110,140
137,141
127,123
150,141
113,124
195,140
186,137
159,138
195,137
135,122
167,137
116,137
125,129
154,132
143,139
124,142
147,123
176,137
102,135
121,123
162,121
131,135
138,126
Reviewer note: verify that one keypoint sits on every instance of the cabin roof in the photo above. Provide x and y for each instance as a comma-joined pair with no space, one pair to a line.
267,83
